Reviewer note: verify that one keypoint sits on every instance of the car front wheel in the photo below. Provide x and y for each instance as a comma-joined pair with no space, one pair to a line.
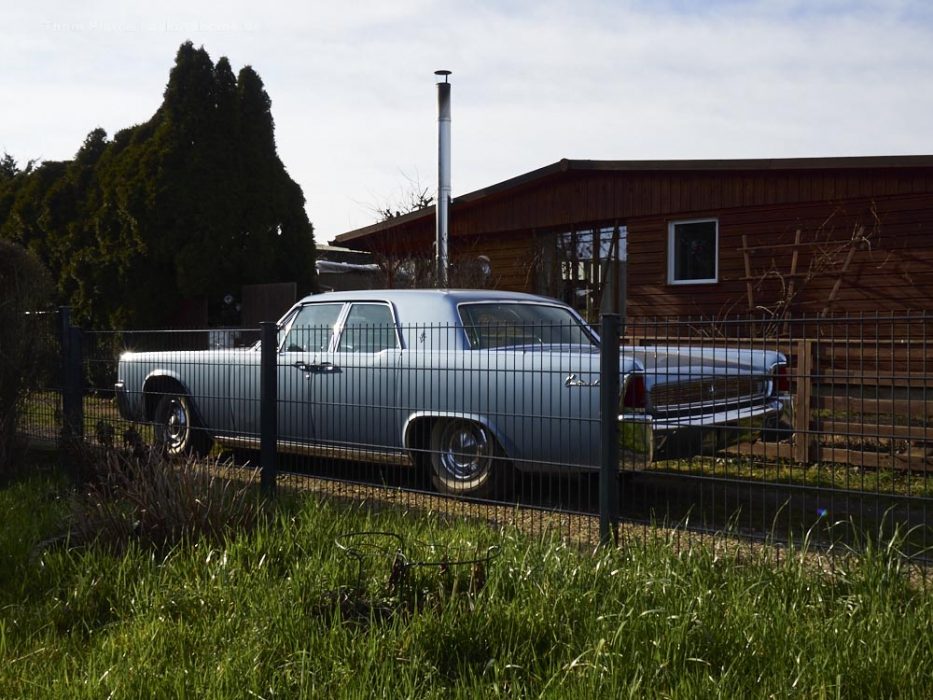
465,458
176,432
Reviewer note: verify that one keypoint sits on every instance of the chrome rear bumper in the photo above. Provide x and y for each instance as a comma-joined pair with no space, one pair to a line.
643,439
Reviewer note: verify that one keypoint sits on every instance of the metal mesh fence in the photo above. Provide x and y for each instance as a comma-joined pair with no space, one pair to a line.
41,417
804,428
850,455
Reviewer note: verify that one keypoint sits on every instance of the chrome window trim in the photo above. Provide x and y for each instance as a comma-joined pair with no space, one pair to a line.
298,309
340,325
285,326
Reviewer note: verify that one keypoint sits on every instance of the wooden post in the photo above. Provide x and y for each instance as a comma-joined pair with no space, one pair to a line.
748,273
793,269
803,394
789,296
842,273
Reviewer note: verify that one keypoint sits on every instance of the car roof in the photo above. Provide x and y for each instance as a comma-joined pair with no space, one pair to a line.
424,308
431,306
455,296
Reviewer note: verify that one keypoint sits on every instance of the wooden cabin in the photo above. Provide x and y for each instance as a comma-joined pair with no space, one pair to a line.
829,260
708,239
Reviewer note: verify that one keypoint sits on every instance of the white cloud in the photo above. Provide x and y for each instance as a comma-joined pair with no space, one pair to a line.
353,97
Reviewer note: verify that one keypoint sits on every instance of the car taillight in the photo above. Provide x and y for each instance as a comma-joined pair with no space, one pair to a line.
634,396
781,379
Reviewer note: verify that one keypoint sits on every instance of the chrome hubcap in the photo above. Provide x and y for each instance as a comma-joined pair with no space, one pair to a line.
465,450
176,424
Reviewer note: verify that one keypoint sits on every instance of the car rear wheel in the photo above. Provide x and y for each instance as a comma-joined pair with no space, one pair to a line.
465,458
176,430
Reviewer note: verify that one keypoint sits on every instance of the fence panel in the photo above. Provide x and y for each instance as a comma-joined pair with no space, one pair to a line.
772,430
40,421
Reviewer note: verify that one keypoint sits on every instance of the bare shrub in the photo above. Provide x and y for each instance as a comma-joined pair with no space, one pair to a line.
156,501
830,258
777,291
468,270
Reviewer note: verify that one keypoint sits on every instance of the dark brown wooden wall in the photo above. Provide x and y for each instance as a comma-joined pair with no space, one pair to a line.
580,197
511,257
891,271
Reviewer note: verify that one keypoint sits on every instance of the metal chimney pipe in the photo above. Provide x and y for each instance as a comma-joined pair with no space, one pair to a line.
443,175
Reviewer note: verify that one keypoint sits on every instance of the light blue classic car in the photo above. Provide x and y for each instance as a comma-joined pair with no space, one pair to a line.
470,384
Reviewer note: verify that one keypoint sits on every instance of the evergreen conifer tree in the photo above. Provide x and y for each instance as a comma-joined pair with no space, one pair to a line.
194,202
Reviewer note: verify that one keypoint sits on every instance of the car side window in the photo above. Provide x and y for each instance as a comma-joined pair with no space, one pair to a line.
312,328
368,328
507,324
497,325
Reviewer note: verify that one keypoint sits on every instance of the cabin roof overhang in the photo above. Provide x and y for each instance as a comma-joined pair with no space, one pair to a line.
565,165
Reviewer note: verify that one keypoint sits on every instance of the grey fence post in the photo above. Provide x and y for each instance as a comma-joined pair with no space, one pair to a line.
609,332
72,387
268,401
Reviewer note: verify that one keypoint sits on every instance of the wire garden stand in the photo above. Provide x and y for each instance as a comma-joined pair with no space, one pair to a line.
371,549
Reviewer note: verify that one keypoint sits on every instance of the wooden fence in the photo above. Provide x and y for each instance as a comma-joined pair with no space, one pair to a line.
866,403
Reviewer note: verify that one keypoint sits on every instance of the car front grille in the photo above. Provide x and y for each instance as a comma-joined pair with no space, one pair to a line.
709,392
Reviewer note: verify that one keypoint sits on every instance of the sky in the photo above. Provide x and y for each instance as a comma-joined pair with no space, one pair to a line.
354,99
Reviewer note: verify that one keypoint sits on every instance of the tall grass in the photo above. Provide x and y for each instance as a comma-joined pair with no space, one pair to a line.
281,611
142,496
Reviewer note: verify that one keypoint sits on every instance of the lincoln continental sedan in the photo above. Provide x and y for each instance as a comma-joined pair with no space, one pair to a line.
467,384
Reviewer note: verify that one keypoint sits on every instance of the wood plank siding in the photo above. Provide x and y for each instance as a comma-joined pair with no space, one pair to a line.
891,269
886,203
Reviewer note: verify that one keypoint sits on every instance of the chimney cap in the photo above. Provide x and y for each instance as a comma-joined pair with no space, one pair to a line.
443,73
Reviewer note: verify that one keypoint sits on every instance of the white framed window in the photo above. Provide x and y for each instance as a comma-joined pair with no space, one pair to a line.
693,251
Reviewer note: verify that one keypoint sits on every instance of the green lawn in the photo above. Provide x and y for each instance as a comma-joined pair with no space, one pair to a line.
281,611
823,475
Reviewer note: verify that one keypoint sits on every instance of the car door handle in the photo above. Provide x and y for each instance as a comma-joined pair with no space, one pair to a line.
318,367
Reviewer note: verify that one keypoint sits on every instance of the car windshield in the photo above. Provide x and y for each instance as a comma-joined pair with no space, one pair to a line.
509,324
